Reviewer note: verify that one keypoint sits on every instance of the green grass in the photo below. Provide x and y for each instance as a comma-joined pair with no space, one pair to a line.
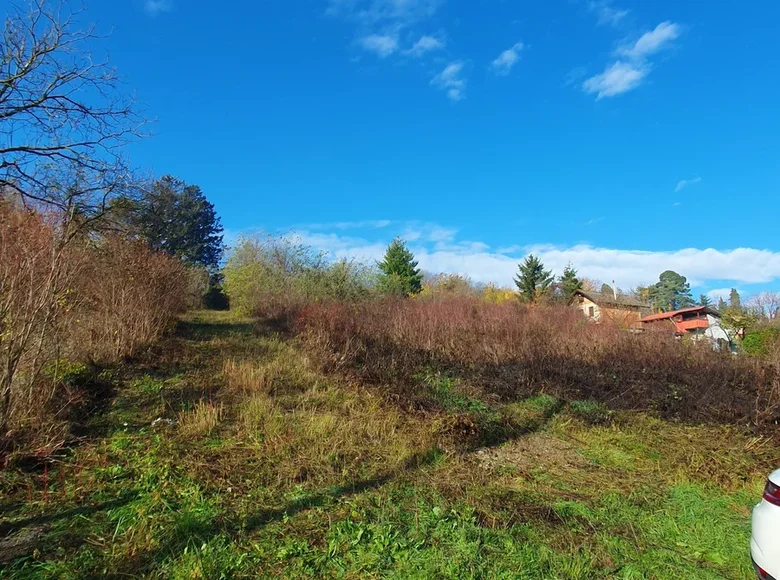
268,469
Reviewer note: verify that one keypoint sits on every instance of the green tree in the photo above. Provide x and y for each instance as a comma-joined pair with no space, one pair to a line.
704,300
722,306
569,283
606,289
176,218
734,300
671,292
532,280
399,272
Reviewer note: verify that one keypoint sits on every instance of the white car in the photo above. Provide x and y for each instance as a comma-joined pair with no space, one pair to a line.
765,541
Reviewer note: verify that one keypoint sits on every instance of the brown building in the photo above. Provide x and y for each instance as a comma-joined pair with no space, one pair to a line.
603,306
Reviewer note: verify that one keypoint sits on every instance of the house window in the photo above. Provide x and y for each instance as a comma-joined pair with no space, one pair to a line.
591,313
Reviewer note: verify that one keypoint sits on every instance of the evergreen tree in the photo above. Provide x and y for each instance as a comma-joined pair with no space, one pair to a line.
735,301
704,300
606,289
722,306
642,293
569,283
671,292
532,280
399,272
176,218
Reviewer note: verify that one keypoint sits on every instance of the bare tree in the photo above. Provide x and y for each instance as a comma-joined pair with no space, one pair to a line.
765,305
61,112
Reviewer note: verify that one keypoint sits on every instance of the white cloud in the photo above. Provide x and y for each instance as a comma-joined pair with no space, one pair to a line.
607,14
651,42
451,81
382,45
719,293
686,182
424,45
616,79
438,249
155,7
507,59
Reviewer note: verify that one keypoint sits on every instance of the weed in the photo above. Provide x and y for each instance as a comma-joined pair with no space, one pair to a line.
202,420
592,412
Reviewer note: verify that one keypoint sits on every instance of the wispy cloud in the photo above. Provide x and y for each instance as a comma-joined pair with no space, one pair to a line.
395,12
617,78
594,221
451,81
155,7
507,59
685,183
383,45
633,67
395,28
651,42
356,225
607,14
425,45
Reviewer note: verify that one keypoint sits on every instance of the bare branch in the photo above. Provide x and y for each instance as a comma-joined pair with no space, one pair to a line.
60,111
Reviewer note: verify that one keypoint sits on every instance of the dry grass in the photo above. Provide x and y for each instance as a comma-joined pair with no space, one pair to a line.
315,430
202,420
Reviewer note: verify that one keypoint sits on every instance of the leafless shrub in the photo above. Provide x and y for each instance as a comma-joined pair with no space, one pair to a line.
128,296
511,351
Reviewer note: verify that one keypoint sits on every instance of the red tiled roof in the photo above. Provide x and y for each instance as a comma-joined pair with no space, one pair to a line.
673,313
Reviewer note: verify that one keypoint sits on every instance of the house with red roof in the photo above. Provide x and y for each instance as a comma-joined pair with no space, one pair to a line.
697,322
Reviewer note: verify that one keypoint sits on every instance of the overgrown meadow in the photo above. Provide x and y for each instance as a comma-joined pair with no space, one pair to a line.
366,436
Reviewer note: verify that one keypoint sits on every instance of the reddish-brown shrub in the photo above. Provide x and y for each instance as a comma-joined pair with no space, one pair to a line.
128,296
35,271
65,299
510,351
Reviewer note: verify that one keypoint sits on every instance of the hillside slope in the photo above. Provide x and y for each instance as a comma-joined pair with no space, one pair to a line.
226,454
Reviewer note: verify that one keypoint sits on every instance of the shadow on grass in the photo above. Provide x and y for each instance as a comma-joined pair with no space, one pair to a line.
202,331
314,500
147,562
8,528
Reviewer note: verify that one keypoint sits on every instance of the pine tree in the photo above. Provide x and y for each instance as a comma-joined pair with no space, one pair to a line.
671,292
569,283
532,280
735,301
704,300
722,306
400,274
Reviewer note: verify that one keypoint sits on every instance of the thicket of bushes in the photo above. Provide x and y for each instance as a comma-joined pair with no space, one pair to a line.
274,277
69,304
498,348
508,351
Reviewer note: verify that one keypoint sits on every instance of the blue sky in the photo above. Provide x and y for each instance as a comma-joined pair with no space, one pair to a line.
625,137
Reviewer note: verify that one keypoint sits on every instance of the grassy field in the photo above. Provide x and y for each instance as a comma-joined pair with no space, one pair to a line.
260,466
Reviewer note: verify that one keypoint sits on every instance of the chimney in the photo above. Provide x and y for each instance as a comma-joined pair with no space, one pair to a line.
614,290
